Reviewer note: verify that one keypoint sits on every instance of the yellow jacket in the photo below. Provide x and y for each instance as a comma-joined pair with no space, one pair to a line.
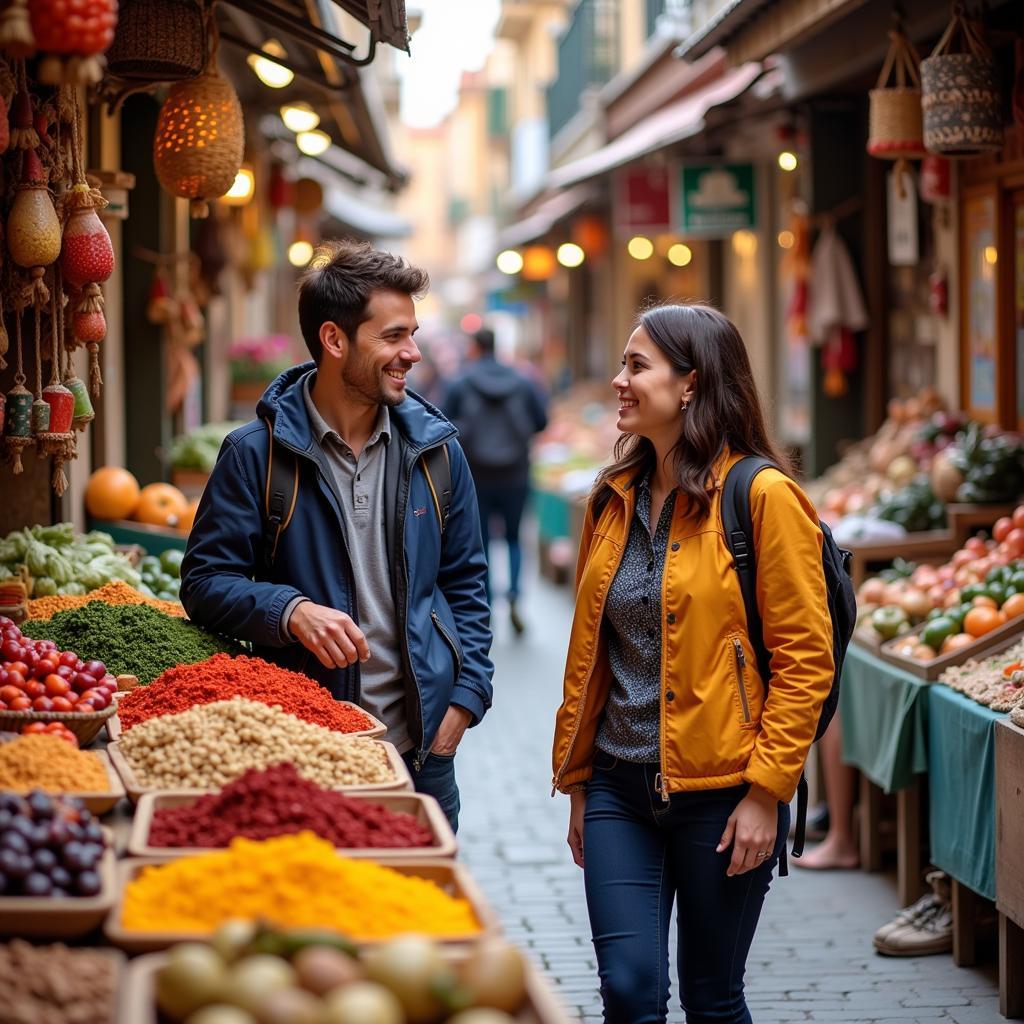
717,730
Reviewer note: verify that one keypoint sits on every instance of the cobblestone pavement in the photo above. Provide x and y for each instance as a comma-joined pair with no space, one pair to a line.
812,959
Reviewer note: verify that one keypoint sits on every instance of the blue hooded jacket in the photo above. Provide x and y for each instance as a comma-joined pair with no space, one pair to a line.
438,584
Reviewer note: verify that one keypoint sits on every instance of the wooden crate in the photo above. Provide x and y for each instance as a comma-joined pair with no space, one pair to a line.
991,643
425,809
402,781
448,875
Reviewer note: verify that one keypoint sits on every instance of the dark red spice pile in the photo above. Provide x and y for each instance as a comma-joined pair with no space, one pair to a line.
278,801
223,677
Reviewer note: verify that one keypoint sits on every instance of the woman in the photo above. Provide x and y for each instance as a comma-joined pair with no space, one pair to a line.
679,769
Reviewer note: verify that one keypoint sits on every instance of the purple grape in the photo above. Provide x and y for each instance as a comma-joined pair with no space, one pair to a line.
88,883
38,884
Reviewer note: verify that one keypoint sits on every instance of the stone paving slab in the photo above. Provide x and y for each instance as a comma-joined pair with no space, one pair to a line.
812,959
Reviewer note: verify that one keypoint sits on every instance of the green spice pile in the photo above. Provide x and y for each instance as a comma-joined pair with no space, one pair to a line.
129,639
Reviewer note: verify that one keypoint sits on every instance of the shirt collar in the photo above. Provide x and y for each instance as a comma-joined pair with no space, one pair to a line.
322,430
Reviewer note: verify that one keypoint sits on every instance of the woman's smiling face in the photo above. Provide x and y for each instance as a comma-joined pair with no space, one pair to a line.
650,391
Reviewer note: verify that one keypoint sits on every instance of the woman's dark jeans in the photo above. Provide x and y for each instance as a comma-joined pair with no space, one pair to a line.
641,855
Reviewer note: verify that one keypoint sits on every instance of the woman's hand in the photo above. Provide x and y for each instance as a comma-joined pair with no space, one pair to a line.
577,804
752,829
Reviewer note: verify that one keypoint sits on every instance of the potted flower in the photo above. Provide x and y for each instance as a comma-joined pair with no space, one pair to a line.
255,362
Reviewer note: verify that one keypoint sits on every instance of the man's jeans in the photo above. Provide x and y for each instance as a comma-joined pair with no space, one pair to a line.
436,778
504,501
641,856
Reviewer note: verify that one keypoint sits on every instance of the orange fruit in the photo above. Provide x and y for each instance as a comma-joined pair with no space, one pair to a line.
186,521
112,493
980,620
1013,606
161,505
956,642
984,601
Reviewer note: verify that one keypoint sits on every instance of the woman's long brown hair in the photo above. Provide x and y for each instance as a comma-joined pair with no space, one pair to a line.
724,412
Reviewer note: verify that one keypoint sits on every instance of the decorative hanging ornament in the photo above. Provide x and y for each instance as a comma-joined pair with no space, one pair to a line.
16,30
73,34
87,255
33,230
23,133
58,440
18,408
200,137
161,307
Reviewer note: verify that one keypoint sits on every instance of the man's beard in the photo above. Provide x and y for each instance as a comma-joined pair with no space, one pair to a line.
363,380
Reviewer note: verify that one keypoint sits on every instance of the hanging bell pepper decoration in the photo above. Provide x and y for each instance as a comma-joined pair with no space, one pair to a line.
33,230
18,409
87,255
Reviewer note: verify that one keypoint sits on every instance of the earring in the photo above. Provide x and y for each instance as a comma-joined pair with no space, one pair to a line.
684,405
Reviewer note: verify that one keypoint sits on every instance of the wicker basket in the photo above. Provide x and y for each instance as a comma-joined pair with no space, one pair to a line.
895,110
84,726
960,95
158,41
200,138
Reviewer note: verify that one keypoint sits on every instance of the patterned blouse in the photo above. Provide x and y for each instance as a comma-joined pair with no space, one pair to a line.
631,725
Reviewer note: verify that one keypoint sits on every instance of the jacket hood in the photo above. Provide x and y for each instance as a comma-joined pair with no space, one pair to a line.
493,379
283,404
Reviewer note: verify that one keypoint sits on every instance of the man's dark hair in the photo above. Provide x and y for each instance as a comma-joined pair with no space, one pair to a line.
339,282
484,339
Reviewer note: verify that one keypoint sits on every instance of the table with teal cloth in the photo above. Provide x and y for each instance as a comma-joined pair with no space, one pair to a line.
961,788
553,514
884,716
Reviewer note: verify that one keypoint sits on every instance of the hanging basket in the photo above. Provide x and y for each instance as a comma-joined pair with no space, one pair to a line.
960,94
894,131
200,139
158,41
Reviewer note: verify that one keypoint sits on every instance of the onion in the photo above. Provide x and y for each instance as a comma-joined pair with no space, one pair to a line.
915,603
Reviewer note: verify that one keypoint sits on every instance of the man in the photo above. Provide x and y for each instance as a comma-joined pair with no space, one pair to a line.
360,588
498,410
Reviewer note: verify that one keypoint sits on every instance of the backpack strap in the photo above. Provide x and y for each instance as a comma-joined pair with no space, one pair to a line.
437,468
280,496
738,526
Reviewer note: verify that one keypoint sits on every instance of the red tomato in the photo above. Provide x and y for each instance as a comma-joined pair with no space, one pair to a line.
18,666
975,545
34,727
1018,517
46,666
62,704
42,704
1015,542
9,693
68,658
56,686
16,679
21,704
34,688
1002,528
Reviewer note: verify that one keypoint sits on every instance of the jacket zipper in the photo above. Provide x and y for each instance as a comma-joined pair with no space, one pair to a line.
741,664
443,630
586,681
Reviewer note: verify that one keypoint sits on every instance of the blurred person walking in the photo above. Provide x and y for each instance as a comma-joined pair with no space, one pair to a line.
498,410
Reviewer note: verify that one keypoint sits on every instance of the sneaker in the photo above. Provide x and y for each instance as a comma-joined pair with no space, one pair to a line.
928,936
514,617
916,912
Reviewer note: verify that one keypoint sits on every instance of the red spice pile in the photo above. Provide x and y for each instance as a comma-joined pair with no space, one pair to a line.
278,801
223,677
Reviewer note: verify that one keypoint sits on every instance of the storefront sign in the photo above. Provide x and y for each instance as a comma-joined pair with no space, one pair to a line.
643,202
717,199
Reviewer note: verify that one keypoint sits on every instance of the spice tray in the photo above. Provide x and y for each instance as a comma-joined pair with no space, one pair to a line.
997,639
41,918
425,809
448,875
402,782
100,803
138,994
375,730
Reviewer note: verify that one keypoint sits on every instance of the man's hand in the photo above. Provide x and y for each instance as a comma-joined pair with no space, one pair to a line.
751,830
331,635
455,722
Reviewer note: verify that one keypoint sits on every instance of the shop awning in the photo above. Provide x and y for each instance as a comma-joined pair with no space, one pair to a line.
546,216
360,212
680,120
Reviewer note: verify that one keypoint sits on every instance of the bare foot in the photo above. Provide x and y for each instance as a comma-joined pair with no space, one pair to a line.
830,854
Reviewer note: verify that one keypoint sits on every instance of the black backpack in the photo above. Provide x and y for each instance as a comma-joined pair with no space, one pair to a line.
842,602
282,493
493,428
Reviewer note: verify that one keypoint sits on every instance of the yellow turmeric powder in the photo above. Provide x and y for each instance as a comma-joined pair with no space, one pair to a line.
114,592
45,762
295,880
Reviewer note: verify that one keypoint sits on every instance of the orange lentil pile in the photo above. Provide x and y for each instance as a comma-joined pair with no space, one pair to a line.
115,592
222,677
37,761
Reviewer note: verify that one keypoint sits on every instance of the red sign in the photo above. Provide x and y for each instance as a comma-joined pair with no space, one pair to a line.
643,201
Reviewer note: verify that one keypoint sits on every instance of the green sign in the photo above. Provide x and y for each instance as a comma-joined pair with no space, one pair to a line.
717,199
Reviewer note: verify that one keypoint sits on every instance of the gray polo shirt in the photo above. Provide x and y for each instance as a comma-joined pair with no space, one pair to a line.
359,484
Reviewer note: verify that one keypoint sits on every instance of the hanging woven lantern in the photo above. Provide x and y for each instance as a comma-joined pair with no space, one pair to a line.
73,35
200,138
894,131
960,93
158,41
